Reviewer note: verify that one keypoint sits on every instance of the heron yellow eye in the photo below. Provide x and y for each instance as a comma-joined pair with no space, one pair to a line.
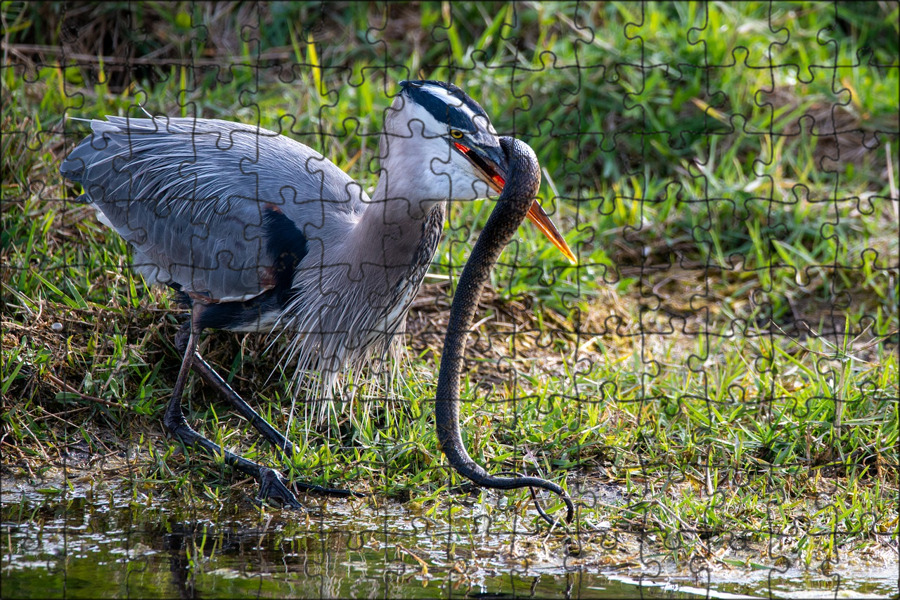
456,134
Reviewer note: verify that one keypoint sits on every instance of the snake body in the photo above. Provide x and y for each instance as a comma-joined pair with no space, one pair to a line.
523,181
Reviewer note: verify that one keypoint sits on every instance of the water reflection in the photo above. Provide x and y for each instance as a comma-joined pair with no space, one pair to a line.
90,544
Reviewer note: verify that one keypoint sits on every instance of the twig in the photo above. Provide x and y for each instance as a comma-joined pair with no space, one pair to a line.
421,561
71,390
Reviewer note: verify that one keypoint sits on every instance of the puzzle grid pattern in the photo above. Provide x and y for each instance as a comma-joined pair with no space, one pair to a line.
662,316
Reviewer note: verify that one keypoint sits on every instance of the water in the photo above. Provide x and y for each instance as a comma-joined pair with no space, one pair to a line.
86,543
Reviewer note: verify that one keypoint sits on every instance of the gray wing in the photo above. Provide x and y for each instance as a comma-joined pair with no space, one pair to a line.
194,197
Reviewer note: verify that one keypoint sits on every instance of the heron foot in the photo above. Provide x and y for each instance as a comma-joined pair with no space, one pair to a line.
272,487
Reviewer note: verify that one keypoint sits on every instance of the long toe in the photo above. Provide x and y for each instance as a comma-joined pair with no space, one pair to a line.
272,487
327,491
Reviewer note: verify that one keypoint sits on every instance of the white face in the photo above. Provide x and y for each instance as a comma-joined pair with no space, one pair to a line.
428,132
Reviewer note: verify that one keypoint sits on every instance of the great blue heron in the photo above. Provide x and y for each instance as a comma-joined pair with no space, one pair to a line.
257,232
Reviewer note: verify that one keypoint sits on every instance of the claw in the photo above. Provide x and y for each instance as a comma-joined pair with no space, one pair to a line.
272,487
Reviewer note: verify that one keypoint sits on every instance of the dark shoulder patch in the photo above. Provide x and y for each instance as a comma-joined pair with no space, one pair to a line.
285,244
286,247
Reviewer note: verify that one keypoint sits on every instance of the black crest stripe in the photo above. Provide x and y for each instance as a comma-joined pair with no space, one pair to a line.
450,110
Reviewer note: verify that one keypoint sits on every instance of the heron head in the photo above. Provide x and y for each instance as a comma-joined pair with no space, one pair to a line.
449,136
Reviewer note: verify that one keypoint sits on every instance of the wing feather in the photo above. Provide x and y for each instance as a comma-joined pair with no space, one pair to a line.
190,195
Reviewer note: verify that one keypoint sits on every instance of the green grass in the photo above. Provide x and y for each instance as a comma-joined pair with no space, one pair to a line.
725,351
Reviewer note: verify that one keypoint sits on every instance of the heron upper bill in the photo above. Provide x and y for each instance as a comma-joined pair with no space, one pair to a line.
543,222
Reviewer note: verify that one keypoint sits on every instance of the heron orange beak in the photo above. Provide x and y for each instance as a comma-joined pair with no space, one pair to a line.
536,213
537,216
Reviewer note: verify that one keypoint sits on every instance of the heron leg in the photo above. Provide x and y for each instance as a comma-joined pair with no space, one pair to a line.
272,435
271,484
275,438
